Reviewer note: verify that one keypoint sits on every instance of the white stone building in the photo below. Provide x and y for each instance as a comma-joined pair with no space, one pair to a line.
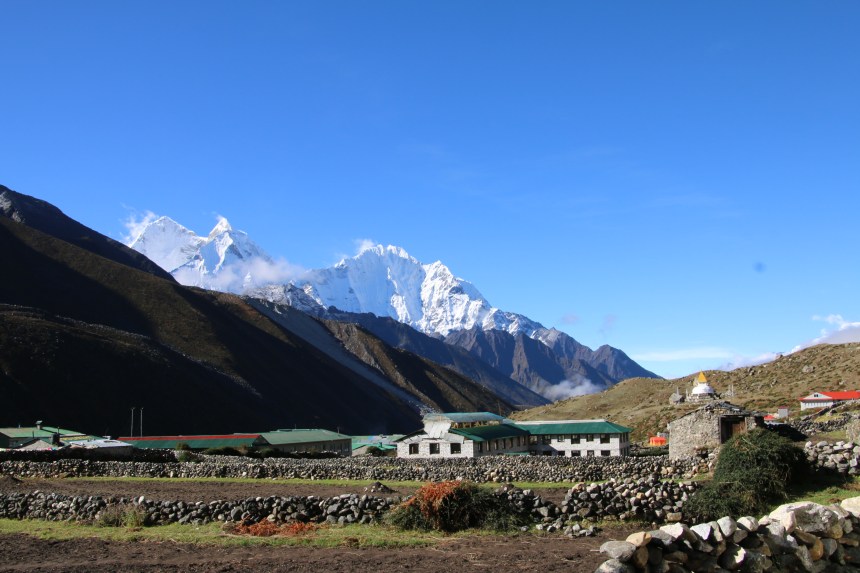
464,435
475,434
577,438
818,400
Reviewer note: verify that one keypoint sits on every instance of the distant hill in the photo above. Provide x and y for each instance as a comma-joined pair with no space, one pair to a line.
643,403
87,332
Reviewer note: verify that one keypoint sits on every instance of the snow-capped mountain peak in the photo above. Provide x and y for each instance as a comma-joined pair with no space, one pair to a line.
224,259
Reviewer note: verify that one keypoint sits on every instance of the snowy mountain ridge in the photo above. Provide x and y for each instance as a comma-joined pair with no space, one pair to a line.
382,280
223,260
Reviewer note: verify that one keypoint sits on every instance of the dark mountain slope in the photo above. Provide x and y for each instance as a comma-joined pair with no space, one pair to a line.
526,360
43,216
109,337
458,359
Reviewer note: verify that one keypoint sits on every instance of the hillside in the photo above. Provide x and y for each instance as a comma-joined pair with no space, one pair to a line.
643,403
85,336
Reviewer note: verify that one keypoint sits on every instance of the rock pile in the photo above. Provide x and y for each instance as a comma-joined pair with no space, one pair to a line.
802,536
842,457
499,469
628,499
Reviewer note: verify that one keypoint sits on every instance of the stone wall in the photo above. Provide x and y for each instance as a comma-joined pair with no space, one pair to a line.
500,469
802,536
629,499
842,457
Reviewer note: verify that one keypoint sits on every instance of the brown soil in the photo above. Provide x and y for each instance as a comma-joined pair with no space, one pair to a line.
479,553
496,554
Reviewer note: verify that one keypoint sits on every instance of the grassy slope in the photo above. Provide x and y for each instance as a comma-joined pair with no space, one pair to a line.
643,403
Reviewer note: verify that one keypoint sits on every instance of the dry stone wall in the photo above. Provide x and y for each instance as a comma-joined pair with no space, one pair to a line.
802,536
499,469
842,457
648,499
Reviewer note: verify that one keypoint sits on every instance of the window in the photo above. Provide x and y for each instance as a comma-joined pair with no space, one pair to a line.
413,449
604,452
604,438
434,449
590,453
480,448
575,439
533,439
545,440
455,448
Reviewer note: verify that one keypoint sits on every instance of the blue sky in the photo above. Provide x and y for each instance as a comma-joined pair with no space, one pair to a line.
676,179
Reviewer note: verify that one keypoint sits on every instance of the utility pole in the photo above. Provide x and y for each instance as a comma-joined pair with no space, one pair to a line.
132,422
141,421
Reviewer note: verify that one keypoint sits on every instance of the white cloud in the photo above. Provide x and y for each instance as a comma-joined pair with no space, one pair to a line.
700,353
743,361
362,245
135,223
578,386
844,332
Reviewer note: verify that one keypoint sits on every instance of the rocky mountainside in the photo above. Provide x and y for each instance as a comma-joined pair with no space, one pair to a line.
388,282
44,217
84,337
643,403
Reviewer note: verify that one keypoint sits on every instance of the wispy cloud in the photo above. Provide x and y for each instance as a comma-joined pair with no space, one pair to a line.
608,324
569,318
845,331
578,386
135,223
362,245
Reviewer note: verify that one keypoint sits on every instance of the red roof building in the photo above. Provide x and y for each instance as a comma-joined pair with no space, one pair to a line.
825,399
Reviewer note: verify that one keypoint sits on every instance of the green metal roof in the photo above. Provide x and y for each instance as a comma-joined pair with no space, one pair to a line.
484,433
283,437
196,442
465,417
34,432
589,427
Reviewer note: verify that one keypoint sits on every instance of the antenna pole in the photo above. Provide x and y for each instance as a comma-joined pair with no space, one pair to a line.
132,422
141,421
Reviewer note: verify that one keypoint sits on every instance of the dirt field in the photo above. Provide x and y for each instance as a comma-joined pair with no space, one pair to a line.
496,554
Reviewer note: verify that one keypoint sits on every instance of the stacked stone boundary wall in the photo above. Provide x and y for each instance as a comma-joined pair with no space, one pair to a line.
628,499
499,469
803,536
842,457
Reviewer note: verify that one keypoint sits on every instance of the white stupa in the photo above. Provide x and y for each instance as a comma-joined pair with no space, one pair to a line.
702,391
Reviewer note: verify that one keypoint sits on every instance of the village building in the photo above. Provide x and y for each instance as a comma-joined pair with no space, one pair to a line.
288,441
464,435
577,438
475,434
308,441
706,429
818,400
387,444
197,442
14,438
112,448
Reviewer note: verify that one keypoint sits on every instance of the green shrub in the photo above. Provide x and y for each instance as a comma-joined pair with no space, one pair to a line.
222,451
753,471
122,516
453,506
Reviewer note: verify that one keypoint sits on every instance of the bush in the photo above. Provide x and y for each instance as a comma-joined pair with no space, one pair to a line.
222,451
753,471
122,516
453,506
